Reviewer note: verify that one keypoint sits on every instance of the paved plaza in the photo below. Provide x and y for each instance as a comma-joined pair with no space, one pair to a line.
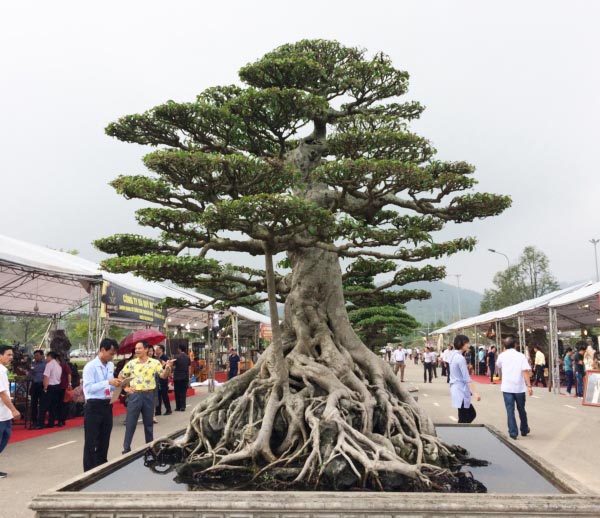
563,432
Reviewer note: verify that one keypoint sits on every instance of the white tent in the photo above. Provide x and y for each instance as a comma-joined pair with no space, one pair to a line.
39,281
534,311
570,308
579,308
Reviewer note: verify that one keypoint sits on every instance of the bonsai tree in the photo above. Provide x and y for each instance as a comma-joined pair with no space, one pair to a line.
311,157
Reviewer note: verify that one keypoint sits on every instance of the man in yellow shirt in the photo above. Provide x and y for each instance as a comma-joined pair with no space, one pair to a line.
141,392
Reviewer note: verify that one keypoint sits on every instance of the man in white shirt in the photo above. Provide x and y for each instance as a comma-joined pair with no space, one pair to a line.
516,374
51,398
434,361
446,354
427,364
8,412
399,358
540,365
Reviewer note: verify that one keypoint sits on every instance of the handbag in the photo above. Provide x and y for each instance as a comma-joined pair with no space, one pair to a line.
68,397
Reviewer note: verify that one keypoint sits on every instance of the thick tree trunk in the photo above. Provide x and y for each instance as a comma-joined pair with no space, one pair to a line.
319,409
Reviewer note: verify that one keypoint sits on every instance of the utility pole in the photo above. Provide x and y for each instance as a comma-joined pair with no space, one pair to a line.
595,243
458,276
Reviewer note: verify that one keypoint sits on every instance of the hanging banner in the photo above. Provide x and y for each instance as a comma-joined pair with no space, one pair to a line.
125,304
266,332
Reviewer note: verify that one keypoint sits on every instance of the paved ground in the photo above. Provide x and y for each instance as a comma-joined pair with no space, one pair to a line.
39,464
563,432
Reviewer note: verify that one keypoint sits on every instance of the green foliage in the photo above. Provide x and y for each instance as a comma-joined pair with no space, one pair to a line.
22,330
528,279
312,150
376,314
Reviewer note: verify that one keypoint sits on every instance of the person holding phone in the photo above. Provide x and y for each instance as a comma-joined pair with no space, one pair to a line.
98,385
140,392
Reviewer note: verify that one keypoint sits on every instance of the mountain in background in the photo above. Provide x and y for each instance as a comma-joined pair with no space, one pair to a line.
443,304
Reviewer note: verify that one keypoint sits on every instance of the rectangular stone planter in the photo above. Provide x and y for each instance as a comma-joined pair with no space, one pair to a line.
67,501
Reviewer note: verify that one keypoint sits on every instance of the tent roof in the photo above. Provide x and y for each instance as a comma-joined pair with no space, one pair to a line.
55,281
38,281
578,308
535,311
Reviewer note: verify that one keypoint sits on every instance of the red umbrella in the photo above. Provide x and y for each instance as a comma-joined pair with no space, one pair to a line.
151,336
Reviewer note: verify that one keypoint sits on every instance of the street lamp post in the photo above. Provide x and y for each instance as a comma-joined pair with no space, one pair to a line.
595,243
458,276
496,252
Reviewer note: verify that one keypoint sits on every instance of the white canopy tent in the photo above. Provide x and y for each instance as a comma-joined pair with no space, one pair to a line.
38,281
573,307
535,310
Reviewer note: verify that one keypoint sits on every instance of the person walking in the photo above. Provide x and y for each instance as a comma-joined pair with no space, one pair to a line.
37,385
427,365
481,361
8,411
51,397
399,357
140,392
568,366
446,355
98,384
434,361
516,377
539,365
163,384
233,361
462,388
416,353
181,377
579,370
491,363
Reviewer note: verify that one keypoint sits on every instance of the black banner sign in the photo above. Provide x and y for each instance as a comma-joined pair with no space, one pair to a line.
122,303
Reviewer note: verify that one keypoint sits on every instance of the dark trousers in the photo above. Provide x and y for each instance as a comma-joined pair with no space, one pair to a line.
63,408
492,367
163,397
5,431
444,369
180,388
569,375
139,403
510,400
466,415
434,368
539,375
97,424
482,368
37,392
427,368
50,404
579,388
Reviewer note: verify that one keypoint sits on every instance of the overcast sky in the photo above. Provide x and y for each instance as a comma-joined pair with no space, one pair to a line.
511,87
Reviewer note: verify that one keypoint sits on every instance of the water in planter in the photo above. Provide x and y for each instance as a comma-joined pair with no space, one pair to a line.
507,472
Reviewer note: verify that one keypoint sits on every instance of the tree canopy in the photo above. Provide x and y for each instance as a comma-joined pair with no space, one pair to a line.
528,279
225,175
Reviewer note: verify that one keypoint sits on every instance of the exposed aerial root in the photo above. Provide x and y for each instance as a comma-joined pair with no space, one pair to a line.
332,423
